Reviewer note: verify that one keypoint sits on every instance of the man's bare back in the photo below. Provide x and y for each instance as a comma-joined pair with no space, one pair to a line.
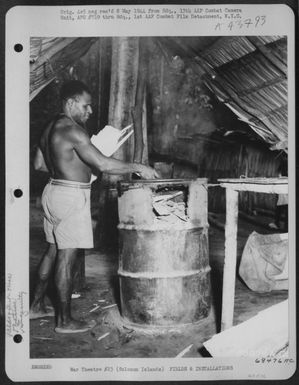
61,158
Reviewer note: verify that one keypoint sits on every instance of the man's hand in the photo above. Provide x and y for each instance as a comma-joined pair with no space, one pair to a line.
147,172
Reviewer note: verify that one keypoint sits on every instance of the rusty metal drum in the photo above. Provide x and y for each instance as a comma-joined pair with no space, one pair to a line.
164,268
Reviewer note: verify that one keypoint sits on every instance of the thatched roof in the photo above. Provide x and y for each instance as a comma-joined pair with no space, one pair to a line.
248,74
48,56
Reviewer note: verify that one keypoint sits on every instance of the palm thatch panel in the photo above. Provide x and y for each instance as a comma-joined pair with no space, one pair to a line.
225,51
228,49
250,76
48,56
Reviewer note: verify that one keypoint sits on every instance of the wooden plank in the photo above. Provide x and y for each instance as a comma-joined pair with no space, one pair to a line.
261,188
278,180
230,259
198,203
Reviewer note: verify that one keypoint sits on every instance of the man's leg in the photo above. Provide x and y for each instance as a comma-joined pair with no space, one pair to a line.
64,271
38,308
79,273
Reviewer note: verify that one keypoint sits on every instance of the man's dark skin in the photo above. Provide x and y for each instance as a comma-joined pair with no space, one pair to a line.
68,154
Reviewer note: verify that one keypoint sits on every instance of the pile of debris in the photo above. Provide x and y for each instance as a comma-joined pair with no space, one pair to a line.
170,208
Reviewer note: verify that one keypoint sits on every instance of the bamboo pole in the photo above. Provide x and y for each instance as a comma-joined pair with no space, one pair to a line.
230,259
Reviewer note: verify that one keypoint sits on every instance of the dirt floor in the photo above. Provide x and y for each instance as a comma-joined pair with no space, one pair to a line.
119,340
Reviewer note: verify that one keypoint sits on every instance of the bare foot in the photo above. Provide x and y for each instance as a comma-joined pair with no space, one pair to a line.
75,327
40,312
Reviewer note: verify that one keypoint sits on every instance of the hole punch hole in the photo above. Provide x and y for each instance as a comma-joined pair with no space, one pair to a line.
17,338
18,193
18,47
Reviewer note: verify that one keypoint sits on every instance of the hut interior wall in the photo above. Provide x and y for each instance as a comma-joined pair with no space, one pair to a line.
172,111
240,160
192,137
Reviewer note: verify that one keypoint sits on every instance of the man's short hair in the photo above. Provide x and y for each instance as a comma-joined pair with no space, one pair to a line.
72,88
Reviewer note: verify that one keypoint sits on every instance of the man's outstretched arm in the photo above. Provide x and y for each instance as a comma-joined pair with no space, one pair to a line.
94,158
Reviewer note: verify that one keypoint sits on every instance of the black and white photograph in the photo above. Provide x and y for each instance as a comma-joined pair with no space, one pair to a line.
154,184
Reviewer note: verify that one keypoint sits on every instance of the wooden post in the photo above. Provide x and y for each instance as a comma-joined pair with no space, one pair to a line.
124,70
230,259
144,132
104,60
137,111
198,203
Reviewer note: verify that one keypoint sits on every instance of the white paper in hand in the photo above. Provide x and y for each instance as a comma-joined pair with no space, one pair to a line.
109,139
106,140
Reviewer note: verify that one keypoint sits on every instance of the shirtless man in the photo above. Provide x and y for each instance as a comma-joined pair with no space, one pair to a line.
67,153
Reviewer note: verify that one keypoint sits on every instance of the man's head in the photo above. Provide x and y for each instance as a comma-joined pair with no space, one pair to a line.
76,100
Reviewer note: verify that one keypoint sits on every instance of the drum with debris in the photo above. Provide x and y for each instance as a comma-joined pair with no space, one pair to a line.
163,255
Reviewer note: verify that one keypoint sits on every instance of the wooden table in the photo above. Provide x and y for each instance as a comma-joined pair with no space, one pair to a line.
233,186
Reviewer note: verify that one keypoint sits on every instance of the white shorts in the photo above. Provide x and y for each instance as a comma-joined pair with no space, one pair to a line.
67,216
